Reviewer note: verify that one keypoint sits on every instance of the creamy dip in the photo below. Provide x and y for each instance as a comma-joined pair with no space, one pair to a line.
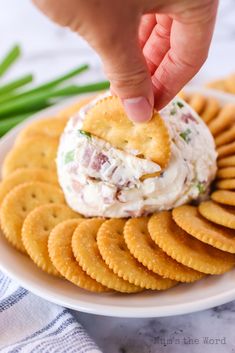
100,180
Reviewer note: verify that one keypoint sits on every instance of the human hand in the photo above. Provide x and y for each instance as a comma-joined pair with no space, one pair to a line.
150,48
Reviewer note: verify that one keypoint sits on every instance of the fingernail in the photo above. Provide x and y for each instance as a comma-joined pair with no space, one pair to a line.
138,109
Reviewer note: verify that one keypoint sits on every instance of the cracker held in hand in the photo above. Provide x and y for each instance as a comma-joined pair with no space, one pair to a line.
61,255
36,229
186,249
87,254
143,248
115,253
188,218
108,121
20,202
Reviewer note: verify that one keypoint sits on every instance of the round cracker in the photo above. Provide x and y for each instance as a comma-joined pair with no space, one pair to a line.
19,202
189,219
225,137
226,150
51,127
222,215
230,83
108,121
70,110
224,119
143,248
36,229
198,102
226,162
87,254
218,85
35,152
61,255
226,173
225,197
113,249
23,175
186,249
211,110
226,184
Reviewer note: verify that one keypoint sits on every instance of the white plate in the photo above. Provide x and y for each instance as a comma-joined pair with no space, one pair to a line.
184,298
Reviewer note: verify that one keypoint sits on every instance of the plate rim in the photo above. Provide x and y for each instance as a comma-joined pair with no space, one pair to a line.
107,309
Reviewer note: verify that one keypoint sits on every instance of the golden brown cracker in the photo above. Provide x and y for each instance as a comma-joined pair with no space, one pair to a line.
143,248
218,85
226,150
224,119
19,202
61,255
230,83
108,121
189,219
87,254
113,249
23,175
51,127
36,229
225,137
35,152
226,161
211,110
72,109
219,214
225,197
226,184
226,173
198,102
186,249
183,95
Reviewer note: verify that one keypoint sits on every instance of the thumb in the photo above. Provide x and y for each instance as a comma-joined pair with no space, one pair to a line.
130,79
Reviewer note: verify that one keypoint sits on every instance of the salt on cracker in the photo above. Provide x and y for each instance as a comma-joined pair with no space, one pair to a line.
186,249
226,162
189,219
36,229
225,118
225,137
87,254
19,202
211,110
23,175
112,246
225,197
143,248
35,152
219,214
51,127
72,109
226,173
108,121
226,184
61,255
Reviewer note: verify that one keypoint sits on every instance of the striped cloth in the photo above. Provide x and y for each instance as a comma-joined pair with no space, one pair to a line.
29,324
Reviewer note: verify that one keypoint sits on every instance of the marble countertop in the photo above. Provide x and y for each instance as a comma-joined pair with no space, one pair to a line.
43,43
